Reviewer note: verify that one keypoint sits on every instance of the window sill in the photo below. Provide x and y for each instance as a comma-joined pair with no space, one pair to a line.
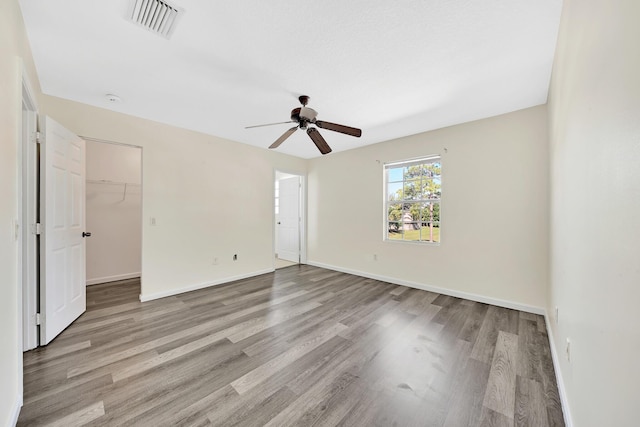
411,242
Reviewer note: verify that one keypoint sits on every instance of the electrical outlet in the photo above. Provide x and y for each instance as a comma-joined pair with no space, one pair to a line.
235,257
568,350
152,220
215,261
375,257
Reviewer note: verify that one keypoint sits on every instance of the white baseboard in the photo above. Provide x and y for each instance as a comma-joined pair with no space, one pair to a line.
450,292
568,421
16,411
112,278
157,295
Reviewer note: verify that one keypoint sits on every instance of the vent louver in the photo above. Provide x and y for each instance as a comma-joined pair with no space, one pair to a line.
156,15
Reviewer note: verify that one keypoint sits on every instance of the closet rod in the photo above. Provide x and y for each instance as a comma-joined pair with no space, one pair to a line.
108,182
104,181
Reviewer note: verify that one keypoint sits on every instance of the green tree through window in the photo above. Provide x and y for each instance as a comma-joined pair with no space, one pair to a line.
413,193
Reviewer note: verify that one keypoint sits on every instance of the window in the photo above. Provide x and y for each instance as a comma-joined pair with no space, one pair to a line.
413,190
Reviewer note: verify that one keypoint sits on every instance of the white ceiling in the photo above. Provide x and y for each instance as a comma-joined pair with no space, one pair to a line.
391,68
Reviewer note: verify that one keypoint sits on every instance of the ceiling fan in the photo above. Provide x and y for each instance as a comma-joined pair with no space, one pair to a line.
305,116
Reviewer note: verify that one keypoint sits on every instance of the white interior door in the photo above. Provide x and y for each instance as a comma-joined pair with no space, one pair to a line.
288,226
62,215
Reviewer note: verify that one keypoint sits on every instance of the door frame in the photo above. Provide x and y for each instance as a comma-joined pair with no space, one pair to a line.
28,198
141,148
28,251
303,212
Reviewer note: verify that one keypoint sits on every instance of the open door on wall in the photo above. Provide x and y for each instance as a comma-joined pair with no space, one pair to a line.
289,219
62,215
289,227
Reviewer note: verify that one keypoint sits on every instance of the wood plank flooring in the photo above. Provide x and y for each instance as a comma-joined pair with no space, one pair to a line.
302,346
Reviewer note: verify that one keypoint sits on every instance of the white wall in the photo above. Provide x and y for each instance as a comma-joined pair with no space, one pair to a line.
494,210
594,116
210,197
114,213
15,56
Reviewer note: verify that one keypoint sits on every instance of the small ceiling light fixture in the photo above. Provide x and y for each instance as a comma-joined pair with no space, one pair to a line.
112,98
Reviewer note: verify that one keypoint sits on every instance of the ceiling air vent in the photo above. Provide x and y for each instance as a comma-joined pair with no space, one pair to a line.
156,15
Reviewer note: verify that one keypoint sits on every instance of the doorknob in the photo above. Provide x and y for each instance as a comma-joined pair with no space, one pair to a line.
278,222
85,234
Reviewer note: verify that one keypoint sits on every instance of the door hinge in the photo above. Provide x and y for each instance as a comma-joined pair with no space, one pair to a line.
37,229
38,138
38,319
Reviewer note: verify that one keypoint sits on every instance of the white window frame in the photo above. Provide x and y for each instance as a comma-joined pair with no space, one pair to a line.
436,158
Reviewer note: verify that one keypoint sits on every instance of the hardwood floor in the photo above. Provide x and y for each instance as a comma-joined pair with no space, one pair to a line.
301,346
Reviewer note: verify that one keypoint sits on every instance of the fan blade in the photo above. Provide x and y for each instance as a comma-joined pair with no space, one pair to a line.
284,136
339,128
318,140
269,124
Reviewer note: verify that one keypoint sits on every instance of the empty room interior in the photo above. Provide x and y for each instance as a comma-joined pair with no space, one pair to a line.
454,242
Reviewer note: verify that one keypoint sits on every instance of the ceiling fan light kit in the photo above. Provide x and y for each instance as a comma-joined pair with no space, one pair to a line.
304,116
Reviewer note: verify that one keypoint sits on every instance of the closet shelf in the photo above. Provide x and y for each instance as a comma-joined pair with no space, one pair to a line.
108,182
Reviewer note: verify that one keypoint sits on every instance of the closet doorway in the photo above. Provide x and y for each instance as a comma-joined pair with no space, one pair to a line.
113,212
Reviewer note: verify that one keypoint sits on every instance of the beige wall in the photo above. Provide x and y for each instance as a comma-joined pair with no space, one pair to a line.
210,198
494,210
594,115
114,212
15,57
